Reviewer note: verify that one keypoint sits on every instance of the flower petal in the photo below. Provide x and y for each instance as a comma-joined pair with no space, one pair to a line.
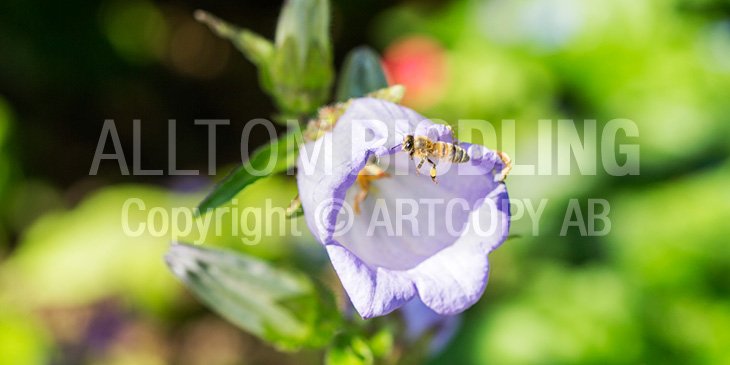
454,279
373,292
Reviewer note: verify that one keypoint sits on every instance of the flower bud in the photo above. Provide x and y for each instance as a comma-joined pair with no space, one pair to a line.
296,70
301,69
361,73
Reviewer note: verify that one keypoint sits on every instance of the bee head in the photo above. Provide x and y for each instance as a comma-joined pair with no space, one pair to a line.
408,144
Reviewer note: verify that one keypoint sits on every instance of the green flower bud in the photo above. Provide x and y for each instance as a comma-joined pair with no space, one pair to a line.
307,22
302,71
360,74
297,69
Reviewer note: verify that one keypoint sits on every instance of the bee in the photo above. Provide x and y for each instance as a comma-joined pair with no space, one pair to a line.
426,150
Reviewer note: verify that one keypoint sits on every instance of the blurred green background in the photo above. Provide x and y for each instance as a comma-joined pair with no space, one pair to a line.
75,289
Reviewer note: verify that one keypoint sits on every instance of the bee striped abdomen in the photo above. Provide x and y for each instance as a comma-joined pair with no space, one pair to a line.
449,152
460,155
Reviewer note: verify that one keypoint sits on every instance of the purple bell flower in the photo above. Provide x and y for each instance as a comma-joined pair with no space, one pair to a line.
411,237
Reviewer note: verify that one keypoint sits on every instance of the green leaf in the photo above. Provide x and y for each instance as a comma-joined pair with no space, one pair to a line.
278,156
361,74
280,306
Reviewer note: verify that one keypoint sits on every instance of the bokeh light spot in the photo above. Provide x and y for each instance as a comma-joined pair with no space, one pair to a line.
419,63
135,29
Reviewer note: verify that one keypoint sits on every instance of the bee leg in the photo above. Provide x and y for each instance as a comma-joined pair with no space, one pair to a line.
433,170
507,164
419,165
